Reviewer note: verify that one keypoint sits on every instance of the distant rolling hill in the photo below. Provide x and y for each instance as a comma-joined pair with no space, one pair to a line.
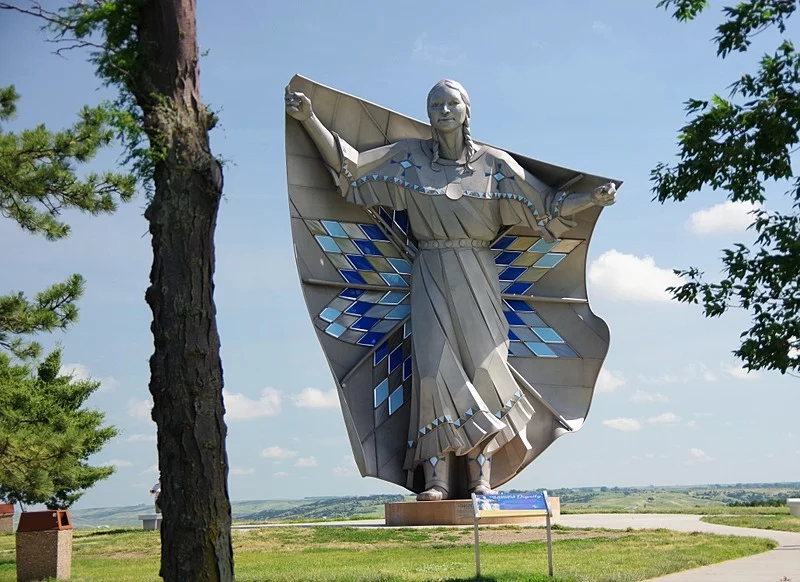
714,498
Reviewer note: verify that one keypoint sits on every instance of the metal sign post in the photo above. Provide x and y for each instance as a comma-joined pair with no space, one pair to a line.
549,537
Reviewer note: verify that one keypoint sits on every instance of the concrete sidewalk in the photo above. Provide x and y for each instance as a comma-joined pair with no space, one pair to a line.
779,565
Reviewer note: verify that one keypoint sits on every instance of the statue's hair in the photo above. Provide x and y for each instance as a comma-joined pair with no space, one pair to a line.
469,145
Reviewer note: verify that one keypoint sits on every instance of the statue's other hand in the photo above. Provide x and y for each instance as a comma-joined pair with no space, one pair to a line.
298,105
605,195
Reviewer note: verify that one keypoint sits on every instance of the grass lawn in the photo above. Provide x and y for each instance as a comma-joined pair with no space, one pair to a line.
319,554
778,522
693,510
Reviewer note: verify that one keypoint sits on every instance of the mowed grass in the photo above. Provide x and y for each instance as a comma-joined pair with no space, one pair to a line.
370,555
775,522
695,510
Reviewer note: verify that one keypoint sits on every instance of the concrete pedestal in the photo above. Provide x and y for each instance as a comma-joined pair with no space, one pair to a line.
793,503
6,523
44,545
455,512
6,518
151,521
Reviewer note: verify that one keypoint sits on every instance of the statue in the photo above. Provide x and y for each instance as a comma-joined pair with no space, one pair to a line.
420,278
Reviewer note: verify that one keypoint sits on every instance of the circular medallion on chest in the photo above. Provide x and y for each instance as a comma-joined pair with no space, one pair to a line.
454,190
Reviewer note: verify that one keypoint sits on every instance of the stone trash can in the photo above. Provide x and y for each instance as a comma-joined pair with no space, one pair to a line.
6,518
44,545
794,506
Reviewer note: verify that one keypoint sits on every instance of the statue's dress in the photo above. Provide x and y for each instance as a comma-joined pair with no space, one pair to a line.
461,377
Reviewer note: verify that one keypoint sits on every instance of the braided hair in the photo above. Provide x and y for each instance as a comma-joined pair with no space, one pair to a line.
469,145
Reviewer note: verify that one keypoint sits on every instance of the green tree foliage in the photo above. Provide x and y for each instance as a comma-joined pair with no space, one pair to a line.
741,144
38,180
147,50
47,434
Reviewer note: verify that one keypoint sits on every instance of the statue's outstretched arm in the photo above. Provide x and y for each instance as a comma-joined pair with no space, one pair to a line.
604,195
569,205
298,106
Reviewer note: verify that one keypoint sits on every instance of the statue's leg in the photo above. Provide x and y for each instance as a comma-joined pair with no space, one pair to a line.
479,471
437,477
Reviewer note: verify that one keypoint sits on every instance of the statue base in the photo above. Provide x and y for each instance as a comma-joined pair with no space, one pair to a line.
456,512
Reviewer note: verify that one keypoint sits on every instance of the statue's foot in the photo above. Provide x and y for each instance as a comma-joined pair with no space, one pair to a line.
435,493
483,489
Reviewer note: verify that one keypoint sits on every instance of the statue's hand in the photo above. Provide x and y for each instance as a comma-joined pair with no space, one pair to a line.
605,195
298,105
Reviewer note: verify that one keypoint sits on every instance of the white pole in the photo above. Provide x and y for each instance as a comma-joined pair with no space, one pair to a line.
477,552
477,539
549,548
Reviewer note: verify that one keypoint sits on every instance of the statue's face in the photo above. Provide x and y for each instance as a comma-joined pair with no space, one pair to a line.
446,110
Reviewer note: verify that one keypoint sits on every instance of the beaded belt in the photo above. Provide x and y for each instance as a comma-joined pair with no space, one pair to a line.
453,243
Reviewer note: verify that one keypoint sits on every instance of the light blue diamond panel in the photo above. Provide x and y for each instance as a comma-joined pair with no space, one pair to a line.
363,254
523,260
530,336
392,370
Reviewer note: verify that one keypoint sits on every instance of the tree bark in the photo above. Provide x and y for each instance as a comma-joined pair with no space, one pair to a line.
186,369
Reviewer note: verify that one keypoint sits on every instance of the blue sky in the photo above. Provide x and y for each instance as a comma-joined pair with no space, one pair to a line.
595,86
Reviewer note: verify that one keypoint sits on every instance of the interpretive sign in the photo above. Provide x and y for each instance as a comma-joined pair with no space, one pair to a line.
511,505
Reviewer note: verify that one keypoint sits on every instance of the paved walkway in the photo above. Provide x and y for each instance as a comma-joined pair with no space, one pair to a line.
781,564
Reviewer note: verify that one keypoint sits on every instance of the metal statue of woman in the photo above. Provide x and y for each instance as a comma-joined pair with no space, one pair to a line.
468,403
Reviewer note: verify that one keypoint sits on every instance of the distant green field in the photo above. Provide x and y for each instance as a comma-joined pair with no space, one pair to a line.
773,522
327,554
703,499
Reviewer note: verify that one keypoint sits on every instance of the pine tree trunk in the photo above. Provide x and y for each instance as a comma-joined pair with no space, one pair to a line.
186,370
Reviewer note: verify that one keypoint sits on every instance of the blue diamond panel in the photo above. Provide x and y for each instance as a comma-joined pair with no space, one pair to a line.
523,260
391,371
363,254
529,335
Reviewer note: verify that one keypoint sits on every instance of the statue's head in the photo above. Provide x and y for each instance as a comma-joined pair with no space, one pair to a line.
449,110
448,106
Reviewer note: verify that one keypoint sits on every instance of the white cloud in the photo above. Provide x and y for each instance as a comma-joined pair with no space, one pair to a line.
688,374
738,372
623,424
141,438
152,469
665,418
281,474
242,471
348,468
276,452
77,371
116,463
316,398
628,277
140,409
80,372
649,456
727,217
608,380
698,457
240,407
642,397
440,54
601,28
306,462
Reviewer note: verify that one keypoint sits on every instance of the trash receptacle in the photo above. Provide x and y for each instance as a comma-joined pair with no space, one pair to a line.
44,545
6,518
